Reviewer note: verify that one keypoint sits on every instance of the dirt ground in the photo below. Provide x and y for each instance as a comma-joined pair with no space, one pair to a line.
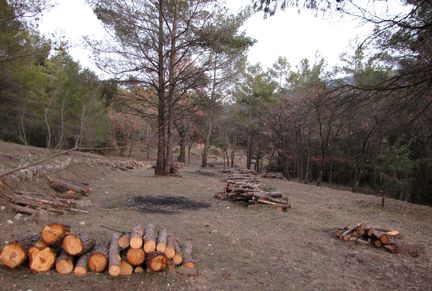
237,248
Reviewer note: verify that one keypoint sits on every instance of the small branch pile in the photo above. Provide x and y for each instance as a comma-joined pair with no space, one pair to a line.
276,175
31,203
377,236
123,254
238,171
248,188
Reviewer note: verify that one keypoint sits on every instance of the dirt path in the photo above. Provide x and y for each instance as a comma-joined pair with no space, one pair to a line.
241,248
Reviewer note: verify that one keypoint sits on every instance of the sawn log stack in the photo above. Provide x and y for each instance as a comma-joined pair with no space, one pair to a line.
245,186
56,247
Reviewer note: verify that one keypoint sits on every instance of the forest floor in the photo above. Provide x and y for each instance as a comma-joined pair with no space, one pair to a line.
237,248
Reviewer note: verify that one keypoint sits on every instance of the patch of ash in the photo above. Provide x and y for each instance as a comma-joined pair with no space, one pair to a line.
164,204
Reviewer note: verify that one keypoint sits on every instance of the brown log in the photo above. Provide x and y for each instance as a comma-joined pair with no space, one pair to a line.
188,262
383,237
76,245
126,269
178,257
38,246
69,195
135,256
64,186
124,241
64,263
81,265
150,238
156,261
23,209
16,253
98,259
377,243
114,256
43,261
346,235
54,233
139,270
162,240
136,237
170,248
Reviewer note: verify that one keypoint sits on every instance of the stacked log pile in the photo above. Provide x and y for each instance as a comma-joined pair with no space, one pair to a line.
276,175
31,203
247,188
128,165
380,237
123,254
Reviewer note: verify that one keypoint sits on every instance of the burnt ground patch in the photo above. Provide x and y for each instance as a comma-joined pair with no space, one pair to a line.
164,204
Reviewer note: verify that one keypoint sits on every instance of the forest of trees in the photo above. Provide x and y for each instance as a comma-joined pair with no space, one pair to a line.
180,78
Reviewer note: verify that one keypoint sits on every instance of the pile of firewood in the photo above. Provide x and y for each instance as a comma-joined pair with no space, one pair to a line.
123,254
248,188
276,175
129,165
374,235
32,202
175,169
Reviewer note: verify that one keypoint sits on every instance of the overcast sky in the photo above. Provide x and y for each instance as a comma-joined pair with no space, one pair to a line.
288,33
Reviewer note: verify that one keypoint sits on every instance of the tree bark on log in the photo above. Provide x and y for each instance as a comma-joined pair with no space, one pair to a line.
178,257
135,256
98,259
162,240
81,265
170,248
150,238
156,261
64,186
188,262
64,263
76,245
136,237
54,233
114,256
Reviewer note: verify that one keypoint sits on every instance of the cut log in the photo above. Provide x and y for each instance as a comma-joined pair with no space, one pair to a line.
178,257
81,265
377,243
126,269
54,233
16,253
63,186
114,256
346,235
43,261
162,240
150,238
98,259
383,237
136,237
139,270
64,263
135,256
170,248
124,241
76,245
156,261
69,195
38,246
188,262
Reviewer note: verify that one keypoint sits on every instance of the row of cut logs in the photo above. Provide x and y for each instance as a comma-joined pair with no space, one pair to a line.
248,188
123,254
378,236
